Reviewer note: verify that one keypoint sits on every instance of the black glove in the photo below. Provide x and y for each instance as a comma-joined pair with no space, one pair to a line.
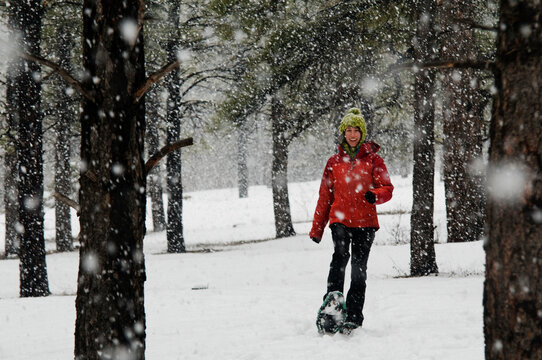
370,197
316,240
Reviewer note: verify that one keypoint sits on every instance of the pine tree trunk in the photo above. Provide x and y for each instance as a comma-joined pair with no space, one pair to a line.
279,173
513,286
463,127
11,203
242,168
154,183
33,269
63,227
110,294
422,248
175,235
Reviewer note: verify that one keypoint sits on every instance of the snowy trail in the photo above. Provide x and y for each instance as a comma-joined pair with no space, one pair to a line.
259,302
262,299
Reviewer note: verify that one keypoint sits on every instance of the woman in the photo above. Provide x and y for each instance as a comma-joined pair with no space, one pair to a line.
354,181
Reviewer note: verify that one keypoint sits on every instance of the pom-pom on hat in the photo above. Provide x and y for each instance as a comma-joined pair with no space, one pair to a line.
353,118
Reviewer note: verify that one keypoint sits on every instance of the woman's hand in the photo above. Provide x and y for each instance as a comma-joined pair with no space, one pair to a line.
370,197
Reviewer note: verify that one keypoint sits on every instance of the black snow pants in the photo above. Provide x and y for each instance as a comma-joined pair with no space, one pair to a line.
361,240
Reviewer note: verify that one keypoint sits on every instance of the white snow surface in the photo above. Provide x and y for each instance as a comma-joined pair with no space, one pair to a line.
259,300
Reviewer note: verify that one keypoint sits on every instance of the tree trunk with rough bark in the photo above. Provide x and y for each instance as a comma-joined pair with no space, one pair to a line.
154,180
63,227
279,172
513,286
33,269
242,167
11,203
463,129
175,236
110,310
175,231
422,248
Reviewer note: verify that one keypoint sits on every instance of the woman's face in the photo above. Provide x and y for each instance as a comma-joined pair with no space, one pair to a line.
352,135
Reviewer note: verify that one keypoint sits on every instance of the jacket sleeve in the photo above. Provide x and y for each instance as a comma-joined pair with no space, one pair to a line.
383,188
325,199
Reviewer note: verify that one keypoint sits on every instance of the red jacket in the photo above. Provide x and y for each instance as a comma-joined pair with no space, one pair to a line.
343,187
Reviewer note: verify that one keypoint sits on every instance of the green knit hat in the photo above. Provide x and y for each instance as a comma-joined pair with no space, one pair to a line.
353,118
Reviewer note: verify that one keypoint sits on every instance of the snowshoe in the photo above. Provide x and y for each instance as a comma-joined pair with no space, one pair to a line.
332,313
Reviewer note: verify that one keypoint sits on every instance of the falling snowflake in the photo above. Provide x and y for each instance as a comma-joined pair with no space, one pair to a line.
507,182
90,263
340,215
129,31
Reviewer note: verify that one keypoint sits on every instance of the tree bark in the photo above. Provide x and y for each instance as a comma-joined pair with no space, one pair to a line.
242,168
175,234
155,184
422,248
279,172
33,269
63,227
110,310
463,130
11,203
513,286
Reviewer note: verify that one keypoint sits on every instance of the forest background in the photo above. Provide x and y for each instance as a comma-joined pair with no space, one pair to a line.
256,89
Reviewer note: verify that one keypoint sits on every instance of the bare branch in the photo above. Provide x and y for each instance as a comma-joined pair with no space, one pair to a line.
166,69
474,25
66,200
481,65
193,103
63,73
154,78
195,83
61,3
156,157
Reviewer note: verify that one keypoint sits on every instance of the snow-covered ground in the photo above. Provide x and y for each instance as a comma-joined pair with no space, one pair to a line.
259,300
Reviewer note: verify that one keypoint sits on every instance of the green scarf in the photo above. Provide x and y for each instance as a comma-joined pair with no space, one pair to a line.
350,150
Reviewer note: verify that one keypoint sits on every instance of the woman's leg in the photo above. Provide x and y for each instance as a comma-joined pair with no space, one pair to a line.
341,241
361,245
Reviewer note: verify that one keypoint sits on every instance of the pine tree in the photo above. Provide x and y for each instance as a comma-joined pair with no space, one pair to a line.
463,118
27,84
175,234
11,204
513,286
65,117
153,143
422,248
110,292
